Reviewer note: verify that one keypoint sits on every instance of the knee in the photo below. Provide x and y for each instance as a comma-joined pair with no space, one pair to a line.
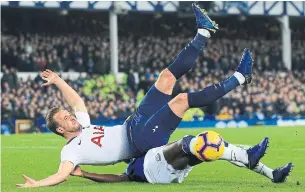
179,105
166,76
181,98
166,82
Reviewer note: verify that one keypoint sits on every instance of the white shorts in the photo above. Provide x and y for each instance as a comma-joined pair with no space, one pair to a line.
157,170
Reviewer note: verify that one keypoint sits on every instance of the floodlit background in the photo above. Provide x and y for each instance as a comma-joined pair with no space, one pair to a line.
112,52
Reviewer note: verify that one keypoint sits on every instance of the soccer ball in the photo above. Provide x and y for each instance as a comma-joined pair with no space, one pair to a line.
209,146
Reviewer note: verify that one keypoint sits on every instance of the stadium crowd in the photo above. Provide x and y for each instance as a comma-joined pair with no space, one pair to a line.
25,98
275,92
272,95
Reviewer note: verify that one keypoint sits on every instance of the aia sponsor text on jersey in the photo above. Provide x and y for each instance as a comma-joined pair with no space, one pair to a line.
98,135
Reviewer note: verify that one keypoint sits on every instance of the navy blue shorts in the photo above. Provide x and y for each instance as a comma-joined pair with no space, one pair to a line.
142,130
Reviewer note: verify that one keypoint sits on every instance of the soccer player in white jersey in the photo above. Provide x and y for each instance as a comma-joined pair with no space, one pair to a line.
156,118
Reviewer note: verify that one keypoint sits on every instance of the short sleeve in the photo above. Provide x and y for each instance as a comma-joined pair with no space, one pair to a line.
83,118
67,155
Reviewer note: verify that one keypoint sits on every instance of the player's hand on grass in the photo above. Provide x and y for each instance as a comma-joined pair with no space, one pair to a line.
49,76
29,182
77,172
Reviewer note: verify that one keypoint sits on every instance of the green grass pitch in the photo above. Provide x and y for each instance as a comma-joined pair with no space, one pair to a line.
38,156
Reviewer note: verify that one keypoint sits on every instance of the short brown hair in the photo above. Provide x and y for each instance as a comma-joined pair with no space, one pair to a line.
51,123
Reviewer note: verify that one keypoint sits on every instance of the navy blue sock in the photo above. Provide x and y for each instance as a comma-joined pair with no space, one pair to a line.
193,160
186,140
212,93
226,144
187,57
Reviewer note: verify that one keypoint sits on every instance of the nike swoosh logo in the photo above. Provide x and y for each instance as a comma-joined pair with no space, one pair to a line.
80,142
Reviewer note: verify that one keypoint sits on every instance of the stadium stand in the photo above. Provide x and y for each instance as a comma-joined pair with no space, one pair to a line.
81,44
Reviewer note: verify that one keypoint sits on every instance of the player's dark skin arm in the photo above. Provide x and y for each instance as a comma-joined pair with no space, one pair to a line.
173,154
176,157
105,178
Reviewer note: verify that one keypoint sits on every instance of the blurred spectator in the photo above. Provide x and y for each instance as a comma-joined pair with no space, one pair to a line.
259,114
6,110
302,110
9,78
131,82
249,113
224,114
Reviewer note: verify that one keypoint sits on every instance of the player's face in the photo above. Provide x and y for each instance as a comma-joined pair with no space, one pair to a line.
67,121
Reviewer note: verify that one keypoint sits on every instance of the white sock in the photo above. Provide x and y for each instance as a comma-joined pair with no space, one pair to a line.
234,153
260,168
241,79
192,143
204,33
238,164
264,170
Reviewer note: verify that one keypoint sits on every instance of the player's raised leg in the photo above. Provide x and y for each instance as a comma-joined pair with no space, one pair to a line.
160,93
243,75
161,125
188,55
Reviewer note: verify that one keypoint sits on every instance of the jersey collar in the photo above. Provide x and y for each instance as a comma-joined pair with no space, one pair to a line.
71,140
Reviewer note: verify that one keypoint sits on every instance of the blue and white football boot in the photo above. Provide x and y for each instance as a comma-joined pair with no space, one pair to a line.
203,20
280,174
245,66
256,152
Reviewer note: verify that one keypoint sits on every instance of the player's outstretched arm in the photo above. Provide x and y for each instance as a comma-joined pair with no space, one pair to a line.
106,178
73,99
65,168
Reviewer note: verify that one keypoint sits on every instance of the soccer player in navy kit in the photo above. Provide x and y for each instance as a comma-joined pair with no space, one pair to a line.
158,115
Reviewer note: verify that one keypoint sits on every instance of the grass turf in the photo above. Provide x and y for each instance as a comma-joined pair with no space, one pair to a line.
38,156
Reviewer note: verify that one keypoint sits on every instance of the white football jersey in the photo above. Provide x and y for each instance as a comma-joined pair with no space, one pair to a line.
97,145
